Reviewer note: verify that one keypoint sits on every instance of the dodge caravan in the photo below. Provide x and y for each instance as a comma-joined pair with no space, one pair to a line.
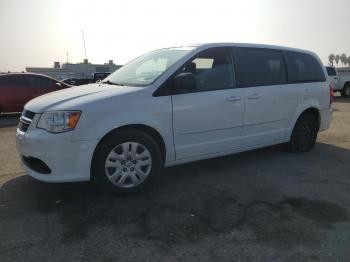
173,106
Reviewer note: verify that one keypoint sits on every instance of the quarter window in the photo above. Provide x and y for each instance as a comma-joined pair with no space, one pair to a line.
260,67
303,68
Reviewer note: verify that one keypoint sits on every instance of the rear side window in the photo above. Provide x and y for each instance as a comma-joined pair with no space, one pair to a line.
303,68
260,67
38,81
13,80
331,71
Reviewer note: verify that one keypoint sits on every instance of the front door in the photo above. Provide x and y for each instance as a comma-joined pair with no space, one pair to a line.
209,119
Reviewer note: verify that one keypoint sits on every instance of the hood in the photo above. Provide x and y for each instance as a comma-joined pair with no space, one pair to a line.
70,98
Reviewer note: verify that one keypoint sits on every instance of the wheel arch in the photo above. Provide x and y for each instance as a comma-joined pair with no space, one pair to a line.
143,128
311,109
347,83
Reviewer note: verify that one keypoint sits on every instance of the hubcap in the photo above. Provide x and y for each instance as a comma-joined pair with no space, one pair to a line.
128,164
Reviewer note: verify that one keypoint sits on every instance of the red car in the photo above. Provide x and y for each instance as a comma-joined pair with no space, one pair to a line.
18,88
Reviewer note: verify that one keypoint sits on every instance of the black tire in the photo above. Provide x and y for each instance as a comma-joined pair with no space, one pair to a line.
98,173
304,134
345,92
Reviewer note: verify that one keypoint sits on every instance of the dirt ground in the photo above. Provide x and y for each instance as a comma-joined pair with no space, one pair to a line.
262,205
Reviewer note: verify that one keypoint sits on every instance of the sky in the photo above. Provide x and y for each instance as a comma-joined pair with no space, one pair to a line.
39,32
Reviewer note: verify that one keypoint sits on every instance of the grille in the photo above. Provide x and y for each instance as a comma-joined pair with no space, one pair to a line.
25,120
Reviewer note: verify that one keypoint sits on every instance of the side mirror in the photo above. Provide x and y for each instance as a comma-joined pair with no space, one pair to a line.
58,85
184,82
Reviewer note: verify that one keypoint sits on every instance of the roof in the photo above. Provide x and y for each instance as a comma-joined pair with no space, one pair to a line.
251,45
29,74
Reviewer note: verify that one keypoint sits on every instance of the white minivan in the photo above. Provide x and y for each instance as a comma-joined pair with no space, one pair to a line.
172,106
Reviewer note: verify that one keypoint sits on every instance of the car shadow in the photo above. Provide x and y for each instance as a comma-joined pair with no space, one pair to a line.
340,99
226,166
9,119
251,189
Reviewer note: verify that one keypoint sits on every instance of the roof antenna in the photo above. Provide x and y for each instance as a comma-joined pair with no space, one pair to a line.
82,31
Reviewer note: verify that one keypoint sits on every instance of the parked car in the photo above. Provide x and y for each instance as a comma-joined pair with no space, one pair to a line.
340,81
16,89
77,81
173,106
98,76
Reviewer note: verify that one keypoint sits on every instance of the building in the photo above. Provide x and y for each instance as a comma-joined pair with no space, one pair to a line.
343,69
83,70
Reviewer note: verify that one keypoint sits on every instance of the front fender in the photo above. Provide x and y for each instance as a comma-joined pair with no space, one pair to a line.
155,113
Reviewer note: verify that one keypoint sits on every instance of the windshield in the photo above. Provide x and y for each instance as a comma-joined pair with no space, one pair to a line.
146,69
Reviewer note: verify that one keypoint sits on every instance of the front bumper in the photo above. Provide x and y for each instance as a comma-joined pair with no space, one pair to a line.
68,160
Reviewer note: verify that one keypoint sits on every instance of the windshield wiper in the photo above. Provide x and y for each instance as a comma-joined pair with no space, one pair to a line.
112,83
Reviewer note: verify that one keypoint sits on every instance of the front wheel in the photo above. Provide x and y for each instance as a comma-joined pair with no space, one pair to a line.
304,134
125,162
345,92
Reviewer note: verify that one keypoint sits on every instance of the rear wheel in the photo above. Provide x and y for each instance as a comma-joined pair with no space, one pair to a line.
125,162
304,134
345,92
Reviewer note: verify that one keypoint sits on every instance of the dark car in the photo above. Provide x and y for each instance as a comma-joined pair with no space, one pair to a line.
77,81
100,76
16,89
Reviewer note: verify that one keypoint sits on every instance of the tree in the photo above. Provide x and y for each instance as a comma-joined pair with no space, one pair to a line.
344,59
337,58
331,58
349,60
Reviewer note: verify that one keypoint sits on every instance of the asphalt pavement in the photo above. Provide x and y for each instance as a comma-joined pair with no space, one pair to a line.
262,205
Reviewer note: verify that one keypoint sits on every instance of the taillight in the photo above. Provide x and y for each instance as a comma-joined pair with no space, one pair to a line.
331,93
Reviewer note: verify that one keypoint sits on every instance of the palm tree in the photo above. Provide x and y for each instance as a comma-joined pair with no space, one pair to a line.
344,59
337,58
331,58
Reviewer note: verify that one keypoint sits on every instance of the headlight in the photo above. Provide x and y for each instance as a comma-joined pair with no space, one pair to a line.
59,121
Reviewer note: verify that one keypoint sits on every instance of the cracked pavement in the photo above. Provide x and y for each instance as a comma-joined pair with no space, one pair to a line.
262,205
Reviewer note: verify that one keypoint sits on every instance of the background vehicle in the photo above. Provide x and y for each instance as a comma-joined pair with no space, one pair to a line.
340,80
173,106
100,76
77,81
16,89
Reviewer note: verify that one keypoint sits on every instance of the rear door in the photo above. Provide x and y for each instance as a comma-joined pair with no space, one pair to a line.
209,120
270,102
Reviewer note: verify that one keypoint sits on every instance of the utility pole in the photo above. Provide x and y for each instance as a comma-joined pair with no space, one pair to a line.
82,31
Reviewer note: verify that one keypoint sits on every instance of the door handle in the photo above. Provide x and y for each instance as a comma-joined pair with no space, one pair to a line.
254,96
233,98
336,78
